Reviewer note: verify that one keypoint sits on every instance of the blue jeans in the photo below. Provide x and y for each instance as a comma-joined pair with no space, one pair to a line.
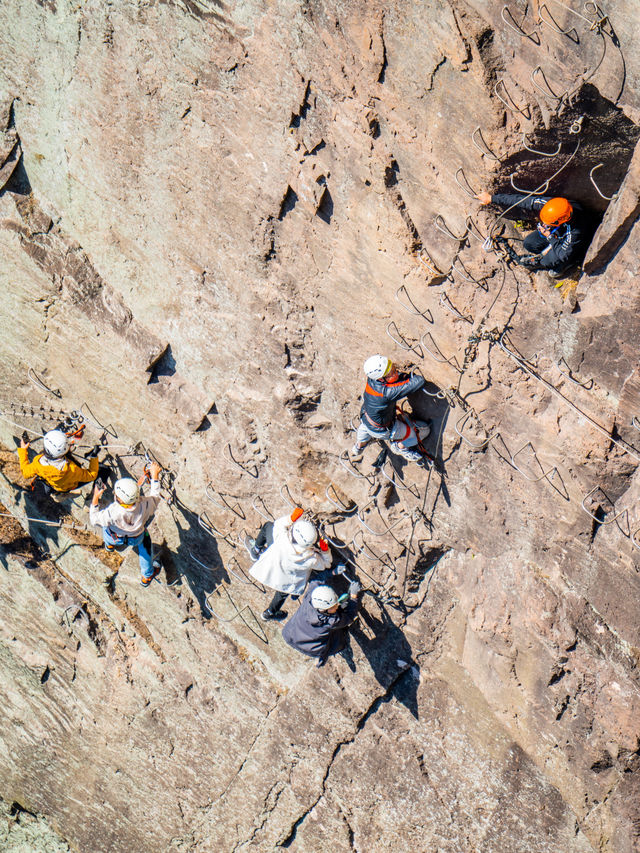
145,557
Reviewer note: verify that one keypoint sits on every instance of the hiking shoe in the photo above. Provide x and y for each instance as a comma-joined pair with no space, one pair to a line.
563,272
356,451
250,545
320,662
267,615
110,547
157,568
411,455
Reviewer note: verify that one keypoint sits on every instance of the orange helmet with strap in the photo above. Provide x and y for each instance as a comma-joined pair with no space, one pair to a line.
556,211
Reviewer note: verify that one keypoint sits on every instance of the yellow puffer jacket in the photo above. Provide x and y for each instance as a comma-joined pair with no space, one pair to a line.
64,480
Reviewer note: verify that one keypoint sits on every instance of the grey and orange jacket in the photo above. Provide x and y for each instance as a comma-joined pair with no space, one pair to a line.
379,400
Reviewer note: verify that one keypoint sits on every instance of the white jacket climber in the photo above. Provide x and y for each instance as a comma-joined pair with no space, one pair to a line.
127,522
285,566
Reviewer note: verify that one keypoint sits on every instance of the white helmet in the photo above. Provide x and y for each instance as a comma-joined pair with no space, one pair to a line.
323,597
377,366
126,491
304,533
56,444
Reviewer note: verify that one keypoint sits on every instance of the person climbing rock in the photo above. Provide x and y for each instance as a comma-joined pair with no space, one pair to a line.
385,387
562,236
319,627
125,520
58,471
286,551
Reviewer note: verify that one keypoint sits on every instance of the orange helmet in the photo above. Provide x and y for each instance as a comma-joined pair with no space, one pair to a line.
556,211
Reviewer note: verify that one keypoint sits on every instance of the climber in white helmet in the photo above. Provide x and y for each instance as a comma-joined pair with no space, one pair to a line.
124,521
58,471
286,552
319,627
385,387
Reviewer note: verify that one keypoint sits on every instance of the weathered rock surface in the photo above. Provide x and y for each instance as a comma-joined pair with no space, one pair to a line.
210,213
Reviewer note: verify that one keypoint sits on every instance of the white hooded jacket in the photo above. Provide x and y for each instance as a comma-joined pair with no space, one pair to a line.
127,522
285,566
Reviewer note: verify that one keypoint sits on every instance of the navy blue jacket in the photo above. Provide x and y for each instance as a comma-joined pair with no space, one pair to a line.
311,631
568,242
379,400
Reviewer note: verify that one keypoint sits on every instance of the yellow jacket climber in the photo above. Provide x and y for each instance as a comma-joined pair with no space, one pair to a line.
53,466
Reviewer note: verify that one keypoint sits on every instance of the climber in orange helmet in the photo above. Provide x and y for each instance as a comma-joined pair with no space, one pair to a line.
562,236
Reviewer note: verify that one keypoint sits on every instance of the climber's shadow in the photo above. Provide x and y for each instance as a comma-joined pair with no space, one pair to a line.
196,559
389,655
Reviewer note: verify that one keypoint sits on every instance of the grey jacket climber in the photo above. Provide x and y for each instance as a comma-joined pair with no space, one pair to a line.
380,397
551,247
312,631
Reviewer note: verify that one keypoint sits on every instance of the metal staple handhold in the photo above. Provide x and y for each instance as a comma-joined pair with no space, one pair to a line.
594,517
264,512
209,527
535,38
222,504
287,497
541,190
441,225
237,614
241,575
350,468
402,343
449,306
486,152
337,503
241,465
35,380
427,264
541,153
442,360
634,542
466,277
513,106
550,93
472,228
567,374
553,25
468,189
459,426
635,423
413,310
396,480
601,194
544,474
89,416
390,527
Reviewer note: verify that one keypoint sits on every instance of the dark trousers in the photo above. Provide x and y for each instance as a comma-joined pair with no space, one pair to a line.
534,243
263,540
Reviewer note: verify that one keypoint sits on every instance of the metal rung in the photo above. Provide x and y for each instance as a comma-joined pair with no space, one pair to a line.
551,23
401,340
449,306
286,496
473,229
337,503
533,35
549,93
635,422
594,517
350,468
241,465
466,186
264,512
438,395
601,194
390,527
442,226
42,386
539,191
396,480
567,374
544,474
541,153
439,358
413,310
209,527
513,106
634,541
428,264
222,503
238,614
89,416
242,576
484,149
459,426
466,277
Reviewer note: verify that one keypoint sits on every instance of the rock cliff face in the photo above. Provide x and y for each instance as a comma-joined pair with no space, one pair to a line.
210,214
